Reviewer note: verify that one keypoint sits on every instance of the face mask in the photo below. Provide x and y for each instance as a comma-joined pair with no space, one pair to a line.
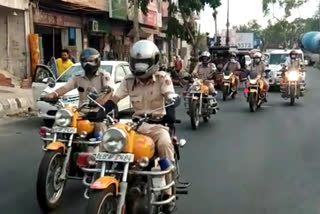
142,67
90,68
257,61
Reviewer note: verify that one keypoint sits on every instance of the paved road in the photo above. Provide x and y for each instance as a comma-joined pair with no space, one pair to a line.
266,162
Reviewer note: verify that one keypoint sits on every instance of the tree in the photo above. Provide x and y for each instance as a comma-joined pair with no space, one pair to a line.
288,5
137,6
187,9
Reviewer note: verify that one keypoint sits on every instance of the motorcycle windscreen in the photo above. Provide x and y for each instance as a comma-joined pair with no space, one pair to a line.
253,75
227,73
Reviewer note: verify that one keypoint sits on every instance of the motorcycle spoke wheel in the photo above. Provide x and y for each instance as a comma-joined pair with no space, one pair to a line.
194,115
54,187
49,186
103,202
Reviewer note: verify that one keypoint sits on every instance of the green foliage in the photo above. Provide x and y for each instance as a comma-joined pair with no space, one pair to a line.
282,33
143,5
288,5
186,8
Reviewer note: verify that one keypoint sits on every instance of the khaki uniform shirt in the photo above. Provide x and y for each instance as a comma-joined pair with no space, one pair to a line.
205,72
296,64
146,97
100,81
258,68
232,66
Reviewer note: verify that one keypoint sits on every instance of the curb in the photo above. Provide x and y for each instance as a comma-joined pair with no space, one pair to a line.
12,106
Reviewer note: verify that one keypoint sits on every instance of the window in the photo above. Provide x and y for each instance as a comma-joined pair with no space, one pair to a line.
72,36
127,69
120,74
70,73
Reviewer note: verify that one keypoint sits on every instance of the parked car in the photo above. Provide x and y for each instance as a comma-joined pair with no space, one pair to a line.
277,59
117,69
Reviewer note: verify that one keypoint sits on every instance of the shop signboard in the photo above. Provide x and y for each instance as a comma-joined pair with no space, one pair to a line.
96,4
118,9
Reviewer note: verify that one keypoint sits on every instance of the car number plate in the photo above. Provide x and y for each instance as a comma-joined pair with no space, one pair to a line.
66,130
124,158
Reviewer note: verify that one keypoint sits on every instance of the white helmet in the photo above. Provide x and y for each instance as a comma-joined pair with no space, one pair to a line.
205,57
144,59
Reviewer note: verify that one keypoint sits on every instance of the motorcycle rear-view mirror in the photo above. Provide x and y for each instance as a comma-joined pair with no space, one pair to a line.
176,99
51,82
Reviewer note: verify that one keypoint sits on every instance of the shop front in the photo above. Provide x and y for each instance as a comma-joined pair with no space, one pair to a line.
56,32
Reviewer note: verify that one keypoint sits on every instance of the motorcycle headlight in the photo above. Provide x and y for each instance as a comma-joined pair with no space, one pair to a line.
293,76
114,140
227,77
253,81
63,117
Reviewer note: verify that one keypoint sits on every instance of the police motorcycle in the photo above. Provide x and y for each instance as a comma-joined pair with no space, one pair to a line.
74,131
294,87
198,102
229,80
126,177
253,91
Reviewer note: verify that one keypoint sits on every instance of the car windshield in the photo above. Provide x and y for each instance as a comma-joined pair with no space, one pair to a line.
77,69
277,59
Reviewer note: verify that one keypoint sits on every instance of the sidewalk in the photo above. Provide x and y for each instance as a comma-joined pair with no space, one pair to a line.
15,101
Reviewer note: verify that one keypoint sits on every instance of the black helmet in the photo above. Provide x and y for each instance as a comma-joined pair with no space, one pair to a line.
90,60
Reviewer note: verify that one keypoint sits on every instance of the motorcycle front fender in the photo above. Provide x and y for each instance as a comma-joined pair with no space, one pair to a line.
55,146
105,182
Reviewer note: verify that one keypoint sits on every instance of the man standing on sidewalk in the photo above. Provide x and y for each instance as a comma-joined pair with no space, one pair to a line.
64,62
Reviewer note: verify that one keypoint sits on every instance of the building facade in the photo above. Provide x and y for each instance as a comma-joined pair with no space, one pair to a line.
14,28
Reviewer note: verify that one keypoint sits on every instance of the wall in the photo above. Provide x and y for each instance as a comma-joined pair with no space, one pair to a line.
15,4
13,42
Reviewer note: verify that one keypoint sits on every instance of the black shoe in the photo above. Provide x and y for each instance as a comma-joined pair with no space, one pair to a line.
168,208
265,99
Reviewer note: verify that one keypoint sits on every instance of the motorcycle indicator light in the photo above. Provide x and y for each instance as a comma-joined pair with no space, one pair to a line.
43,131
246,91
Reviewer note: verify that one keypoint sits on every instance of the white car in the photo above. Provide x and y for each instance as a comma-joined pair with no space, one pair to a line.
117,69
277,59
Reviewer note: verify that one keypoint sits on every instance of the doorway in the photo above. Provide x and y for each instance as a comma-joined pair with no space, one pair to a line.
50,42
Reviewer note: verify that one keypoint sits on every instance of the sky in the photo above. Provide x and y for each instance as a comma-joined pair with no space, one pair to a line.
242,11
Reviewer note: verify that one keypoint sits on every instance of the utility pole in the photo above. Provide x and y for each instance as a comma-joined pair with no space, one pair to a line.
228,24
136,20
214,14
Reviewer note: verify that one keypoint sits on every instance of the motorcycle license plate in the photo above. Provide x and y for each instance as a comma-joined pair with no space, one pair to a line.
253,90
108,157
65,130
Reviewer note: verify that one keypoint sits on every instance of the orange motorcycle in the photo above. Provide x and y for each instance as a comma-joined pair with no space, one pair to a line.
73,132
126,178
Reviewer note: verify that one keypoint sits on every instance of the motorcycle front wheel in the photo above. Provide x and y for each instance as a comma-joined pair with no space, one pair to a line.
253,102
194,114
225,93
49,186
103,201
292,95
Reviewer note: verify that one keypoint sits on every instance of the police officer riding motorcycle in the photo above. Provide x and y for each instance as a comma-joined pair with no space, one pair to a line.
231,80
149,89
292,84
74,131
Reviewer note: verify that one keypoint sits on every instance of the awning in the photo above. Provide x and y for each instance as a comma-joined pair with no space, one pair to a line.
144,32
